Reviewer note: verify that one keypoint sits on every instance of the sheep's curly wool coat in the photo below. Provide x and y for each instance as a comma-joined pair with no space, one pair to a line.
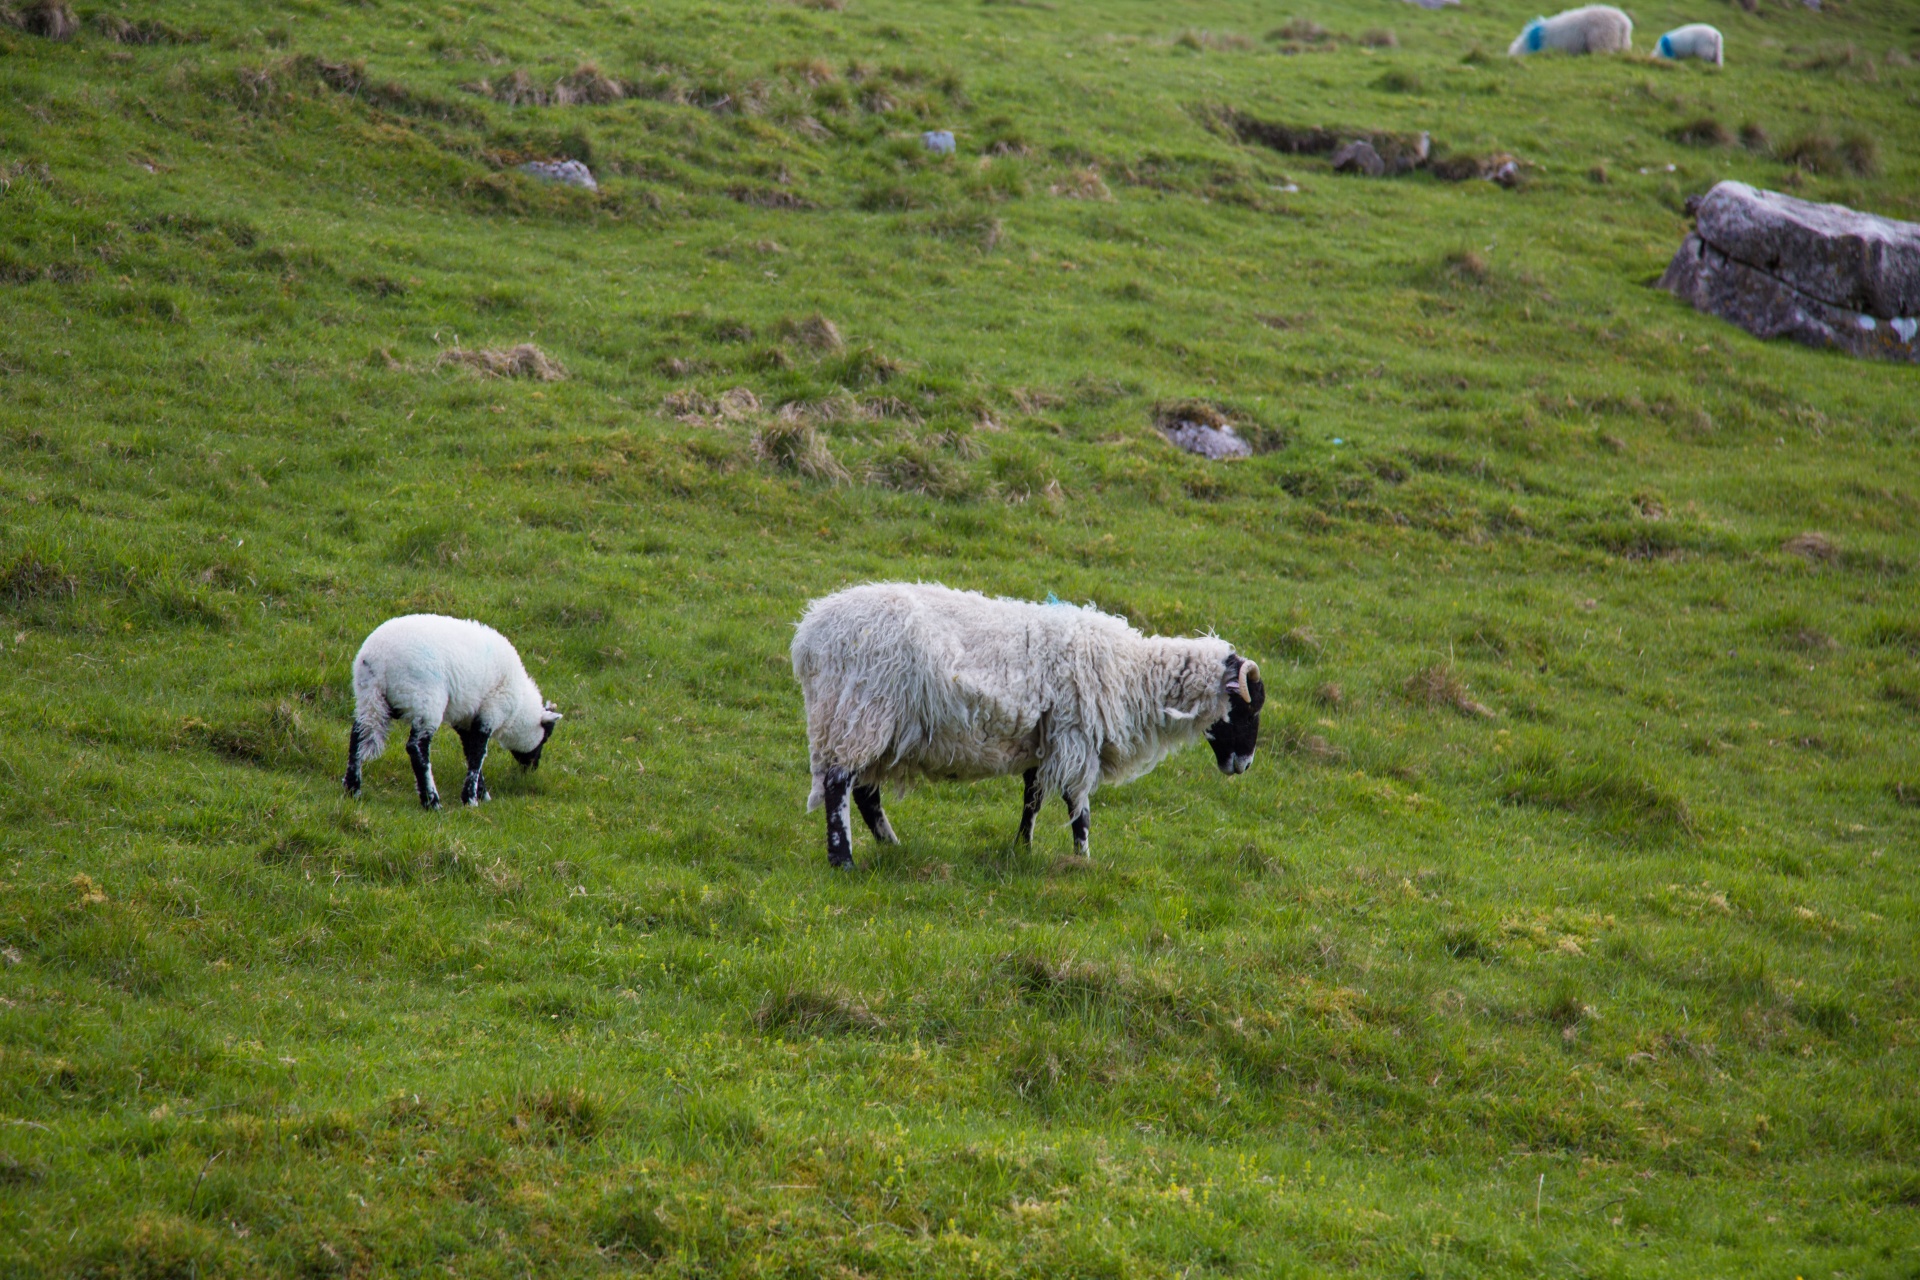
427,669
1596,28
915,680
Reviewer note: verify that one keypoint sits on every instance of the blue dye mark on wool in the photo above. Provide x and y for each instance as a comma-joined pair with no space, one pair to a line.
1054,599
1665,47
1536,34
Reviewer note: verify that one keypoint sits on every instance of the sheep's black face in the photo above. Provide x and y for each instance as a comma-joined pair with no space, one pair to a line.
531,759
1235,736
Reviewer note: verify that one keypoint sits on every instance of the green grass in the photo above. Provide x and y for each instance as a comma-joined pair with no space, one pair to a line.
1566,924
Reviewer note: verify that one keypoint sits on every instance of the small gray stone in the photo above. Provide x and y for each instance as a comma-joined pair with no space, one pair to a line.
938,141
1212,443
1359,157
570,172
1433,4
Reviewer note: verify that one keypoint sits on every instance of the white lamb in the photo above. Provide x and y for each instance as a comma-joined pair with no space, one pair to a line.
914,680
426,670
1597,28
1695,40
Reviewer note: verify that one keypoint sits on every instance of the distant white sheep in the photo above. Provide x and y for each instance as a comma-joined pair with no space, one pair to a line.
429,670
1596,28
1695,40
915,680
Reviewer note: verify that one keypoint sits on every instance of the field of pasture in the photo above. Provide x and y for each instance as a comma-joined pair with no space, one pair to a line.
1566,923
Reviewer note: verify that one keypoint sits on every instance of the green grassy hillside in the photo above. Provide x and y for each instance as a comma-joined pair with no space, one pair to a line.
1565,925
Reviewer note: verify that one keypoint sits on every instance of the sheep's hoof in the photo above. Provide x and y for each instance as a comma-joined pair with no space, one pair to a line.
430,803
846,865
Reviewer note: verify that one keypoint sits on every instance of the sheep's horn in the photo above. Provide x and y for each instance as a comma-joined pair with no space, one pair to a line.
1247,672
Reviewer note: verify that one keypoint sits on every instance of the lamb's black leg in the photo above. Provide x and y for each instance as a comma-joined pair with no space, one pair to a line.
868,798
837,783
1081,810
420,751
1030,804
352,780
474,740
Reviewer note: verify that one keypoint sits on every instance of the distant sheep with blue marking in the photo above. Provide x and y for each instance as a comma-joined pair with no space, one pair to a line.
1597,28
1695,40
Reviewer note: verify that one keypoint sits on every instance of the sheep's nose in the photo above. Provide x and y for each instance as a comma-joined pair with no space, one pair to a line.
1237,765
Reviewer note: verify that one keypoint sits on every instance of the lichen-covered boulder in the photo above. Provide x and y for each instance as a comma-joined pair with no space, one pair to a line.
1821,274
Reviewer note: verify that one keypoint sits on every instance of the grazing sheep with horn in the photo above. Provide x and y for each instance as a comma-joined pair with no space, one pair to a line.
905,681
1596,28
1695,40
429,670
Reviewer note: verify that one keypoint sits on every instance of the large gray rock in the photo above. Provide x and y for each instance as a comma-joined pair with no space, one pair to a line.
1821,274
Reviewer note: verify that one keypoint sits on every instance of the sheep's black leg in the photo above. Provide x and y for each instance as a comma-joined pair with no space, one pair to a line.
868,798
352,780
1081,810
1030,804
420,751
837,783
474,741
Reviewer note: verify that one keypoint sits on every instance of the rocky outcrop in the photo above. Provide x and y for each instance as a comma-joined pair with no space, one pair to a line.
1821,274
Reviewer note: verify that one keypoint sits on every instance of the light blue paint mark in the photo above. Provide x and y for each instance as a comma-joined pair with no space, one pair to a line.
1665,47
1536,35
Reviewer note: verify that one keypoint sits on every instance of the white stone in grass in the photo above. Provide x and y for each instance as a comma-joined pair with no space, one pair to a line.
1212,443
570,172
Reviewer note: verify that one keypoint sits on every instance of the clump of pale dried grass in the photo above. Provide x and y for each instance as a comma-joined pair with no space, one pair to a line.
790,442
523,361
1440,685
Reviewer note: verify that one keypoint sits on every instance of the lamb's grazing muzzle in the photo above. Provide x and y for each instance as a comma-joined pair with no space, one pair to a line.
908,681
429,670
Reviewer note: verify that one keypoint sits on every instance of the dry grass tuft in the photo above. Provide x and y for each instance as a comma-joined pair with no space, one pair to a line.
1814,548
1301,31
807,1011
1221,41
1380,38
587,86
48,19
121,31
1440,685
1755,138
31,578
1468,264
814,332
523,361
1821,153
1330,695
791,443
1704,132
1081,184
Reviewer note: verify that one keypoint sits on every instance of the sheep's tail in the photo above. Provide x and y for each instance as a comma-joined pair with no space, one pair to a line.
371,714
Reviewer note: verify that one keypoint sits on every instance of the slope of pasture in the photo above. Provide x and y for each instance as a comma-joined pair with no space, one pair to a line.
1565,922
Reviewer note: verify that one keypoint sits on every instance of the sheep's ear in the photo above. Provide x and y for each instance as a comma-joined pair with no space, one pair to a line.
550,716
1175,713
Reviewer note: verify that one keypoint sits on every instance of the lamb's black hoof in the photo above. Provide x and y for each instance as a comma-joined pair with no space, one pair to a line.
430,803
843,865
